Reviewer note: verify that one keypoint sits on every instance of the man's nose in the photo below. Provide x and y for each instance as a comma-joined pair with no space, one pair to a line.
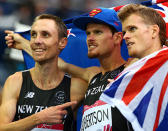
38,39
126,35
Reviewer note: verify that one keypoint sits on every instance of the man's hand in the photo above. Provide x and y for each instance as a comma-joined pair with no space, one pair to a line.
54,114
15,40
110,80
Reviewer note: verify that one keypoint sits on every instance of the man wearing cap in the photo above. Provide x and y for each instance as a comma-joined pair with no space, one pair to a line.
104,39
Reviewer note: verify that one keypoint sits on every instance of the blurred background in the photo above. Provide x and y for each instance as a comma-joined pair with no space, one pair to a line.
17,15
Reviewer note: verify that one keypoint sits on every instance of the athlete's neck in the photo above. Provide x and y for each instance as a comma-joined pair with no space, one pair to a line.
109,64
46,76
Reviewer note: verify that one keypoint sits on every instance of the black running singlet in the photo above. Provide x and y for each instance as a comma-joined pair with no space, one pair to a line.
33,100
97,114
98,84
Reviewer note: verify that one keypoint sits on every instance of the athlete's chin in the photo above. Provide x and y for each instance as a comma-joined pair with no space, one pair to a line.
132,54
92,55
39,60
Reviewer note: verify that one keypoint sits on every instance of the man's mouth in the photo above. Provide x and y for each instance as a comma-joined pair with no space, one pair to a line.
38,50
92,46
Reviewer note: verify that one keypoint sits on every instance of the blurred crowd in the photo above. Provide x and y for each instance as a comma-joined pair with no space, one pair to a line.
24,11
18,15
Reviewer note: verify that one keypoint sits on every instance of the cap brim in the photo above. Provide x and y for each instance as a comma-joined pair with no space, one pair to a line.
82,22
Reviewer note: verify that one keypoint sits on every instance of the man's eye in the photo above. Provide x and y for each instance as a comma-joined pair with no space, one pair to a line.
98,32
131,29
45,34
33,35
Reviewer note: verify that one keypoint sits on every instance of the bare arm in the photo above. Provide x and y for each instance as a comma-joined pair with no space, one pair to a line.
78,90
51,115
15,40
85,74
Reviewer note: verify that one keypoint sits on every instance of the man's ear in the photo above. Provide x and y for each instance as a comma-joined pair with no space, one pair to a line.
155,31
62,43
118,36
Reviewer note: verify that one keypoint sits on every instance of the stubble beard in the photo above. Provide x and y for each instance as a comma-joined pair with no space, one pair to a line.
92,55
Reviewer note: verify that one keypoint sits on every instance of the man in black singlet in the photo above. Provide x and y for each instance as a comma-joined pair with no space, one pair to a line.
34,99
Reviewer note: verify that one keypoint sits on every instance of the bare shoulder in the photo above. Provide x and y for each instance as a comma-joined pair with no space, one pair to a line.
16,75
77,81
13,83
14,79
92,71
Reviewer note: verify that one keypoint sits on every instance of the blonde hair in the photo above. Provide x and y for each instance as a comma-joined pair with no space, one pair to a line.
149,15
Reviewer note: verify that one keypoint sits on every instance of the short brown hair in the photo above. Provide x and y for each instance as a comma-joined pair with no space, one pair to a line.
149,15
62,29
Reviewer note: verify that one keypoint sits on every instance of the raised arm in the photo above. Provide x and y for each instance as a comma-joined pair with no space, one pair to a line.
15,40
51,115
83,73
